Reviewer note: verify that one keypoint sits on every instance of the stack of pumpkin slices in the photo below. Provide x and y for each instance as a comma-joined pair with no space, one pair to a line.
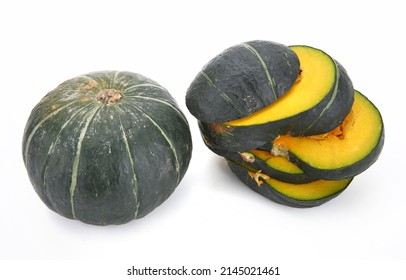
287,120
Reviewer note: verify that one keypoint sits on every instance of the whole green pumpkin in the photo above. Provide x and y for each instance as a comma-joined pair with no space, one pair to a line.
106,147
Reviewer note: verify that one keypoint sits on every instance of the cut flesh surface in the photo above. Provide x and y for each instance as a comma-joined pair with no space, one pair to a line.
309,191
359,134
277,162
312,191
317,79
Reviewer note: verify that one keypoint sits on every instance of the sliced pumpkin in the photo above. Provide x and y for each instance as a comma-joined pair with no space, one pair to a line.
296,195
241,80
279,167
278,162
318,102
318,78
345,151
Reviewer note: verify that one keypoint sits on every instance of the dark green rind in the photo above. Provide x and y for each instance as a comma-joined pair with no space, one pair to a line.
259,164
293,178
322,118
242,80
128,163
235,139
270,193
329,113
343,172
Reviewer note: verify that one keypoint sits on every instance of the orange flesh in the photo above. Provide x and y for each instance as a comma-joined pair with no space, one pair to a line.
347,144
309,191
277,162
317,77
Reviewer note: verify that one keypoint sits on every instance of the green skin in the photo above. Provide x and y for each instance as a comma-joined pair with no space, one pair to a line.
322,118
242,80
258,164
106,163
270,193
309,170
344,172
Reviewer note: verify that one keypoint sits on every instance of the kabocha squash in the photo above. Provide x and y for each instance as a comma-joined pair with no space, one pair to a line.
277,167
317,103
106,147
225,137
342,153
320,98
305,147
304,195
346,151
242,80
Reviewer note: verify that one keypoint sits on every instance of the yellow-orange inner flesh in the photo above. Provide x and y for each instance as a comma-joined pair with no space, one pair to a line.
277,162
309,191
349,143
317,78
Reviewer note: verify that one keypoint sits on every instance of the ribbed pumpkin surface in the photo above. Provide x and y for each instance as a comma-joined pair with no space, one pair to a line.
106,147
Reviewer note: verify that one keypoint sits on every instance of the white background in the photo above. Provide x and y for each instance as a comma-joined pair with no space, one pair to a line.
211,220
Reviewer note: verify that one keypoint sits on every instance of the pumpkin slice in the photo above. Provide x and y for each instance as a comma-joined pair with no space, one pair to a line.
278,167
346,151
295,195
317,95
317,103
241,80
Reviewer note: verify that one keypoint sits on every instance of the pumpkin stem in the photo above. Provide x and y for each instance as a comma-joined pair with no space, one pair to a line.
109,96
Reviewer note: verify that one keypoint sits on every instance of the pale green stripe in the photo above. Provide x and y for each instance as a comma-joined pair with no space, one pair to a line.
116,75
119,81
208,78
77,159
163,102
51,147
331,101
268,76
89,78
222,93
116,82
135,180
143,85
27,144
167,140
